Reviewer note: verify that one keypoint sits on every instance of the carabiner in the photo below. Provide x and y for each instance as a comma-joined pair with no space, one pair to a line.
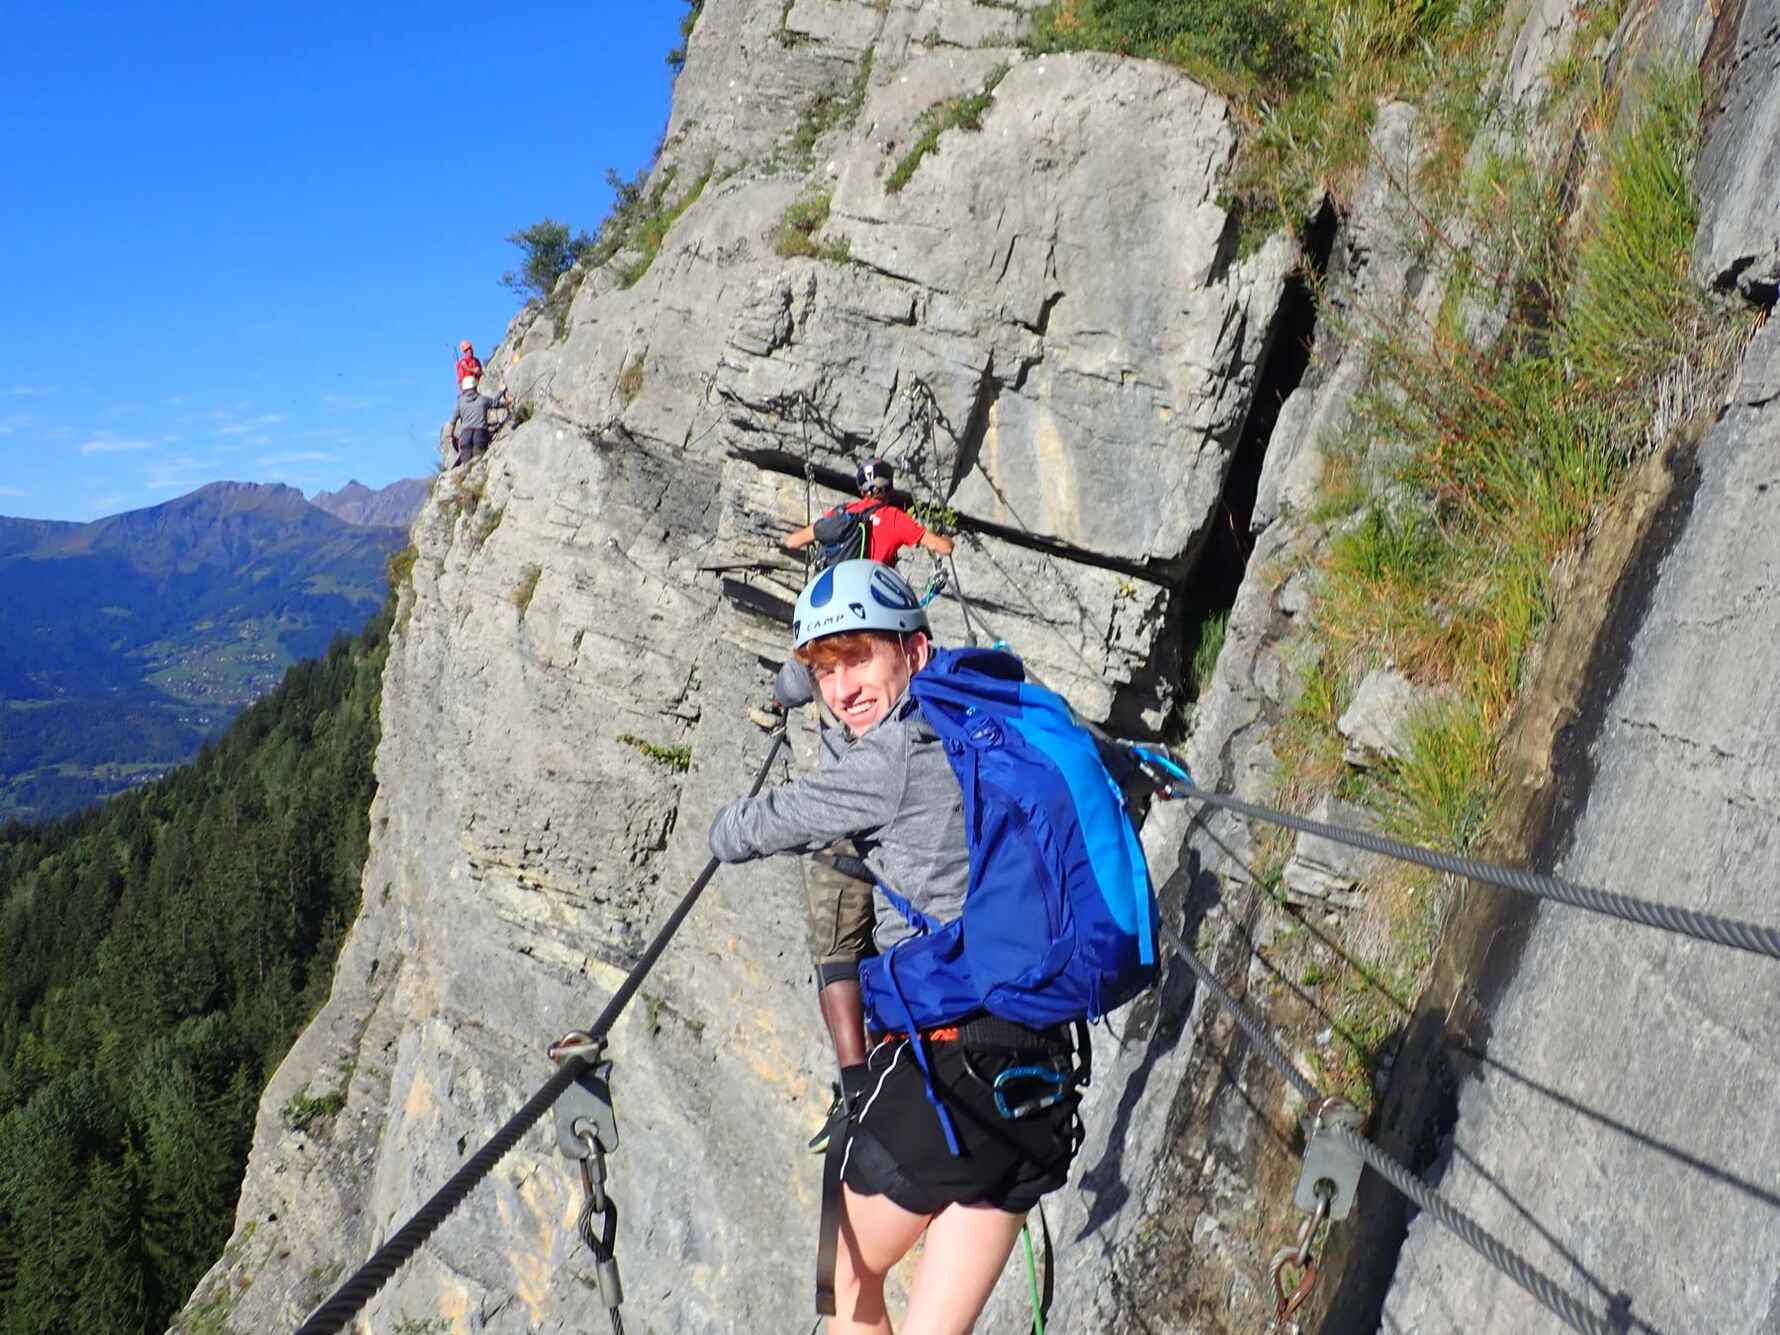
1048,1076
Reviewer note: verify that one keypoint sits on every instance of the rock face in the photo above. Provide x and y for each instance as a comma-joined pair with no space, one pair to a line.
1602,1015
1604,1134
1049,335
1322,872
1382,718
598,596
1740,156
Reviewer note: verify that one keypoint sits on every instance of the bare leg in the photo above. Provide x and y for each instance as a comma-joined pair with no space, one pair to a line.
876,1233
843,1011
967,1248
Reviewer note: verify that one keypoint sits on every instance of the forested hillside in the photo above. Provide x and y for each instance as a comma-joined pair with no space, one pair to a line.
132,640
157,958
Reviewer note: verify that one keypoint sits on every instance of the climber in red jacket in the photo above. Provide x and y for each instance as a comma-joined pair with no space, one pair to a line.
467,365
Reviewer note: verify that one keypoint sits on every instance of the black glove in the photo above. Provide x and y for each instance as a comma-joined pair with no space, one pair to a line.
855,1080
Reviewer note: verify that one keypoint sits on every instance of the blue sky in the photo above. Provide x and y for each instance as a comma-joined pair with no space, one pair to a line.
242,240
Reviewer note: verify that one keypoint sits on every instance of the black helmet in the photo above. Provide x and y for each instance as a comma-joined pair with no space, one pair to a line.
874,474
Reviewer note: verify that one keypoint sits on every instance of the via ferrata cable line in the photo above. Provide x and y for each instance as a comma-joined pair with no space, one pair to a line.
919,425
1570,1310
350,1297
1722,931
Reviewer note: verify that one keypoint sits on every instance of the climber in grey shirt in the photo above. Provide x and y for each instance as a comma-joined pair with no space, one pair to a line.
469,424
894,790
890,787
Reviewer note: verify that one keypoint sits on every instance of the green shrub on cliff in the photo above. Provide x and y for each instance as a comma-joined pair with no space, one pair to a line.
676,58
550,251
1257,40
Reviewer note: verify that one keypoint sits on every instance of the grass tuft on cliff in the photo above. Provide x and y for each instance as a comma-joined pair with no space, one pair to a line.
796,237
1510,443
964,112
1304,79
831,108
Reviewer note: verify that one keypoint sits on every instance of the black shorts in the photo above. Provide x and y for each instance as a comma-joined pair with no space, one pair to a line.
898,1148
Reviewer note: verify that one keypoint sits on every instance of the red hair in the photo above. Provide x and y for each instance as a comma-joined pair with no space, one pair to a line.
831,649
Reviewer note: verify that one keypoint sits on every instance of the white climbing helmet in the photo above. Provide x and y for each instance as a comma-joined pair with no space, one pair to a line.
856,595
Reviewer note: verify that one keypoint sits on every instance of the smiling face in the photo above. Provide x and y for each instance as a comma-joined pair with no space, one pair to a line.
863,673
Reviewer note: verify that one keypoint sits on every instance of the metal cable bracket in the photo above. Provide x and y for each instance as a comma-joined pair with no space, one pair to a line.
587,1130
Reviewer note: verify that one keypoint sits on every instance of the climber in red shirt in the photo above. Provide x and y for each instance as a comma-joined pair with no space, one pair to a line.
869,527
467,365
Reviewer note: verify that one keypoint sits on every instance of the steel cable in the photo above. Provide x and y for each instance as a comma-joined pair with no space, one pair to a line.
1711,927
1575,1314
346,1300
1256,1032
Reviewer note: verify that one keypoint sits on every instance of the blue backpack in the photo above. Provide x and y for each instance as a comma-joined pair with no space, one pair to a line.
1059,919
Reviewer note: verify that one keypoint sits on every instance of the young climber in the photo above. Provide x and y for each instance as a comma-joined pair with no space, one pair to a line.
870,527
467,365
958,1125
470,424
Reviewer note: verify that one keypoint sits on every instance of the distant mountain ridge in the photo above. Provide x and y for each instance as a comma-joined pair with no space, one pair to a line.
394,505
133,639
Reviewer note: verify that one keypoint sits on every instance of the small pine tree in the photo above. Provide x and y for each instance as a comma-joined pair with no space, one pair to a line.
550,252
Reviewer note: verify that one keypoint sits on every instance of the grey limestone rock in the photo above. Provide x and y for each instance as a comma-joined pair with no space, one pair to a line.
1739,160
1377,725
1380,270
1608,1138
1051,337
1324,873
605,591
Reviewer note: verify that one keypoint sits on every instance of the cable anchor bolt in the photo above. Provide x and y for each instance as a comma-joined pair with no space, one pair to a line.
587,1130
586,1125
604,1246
1330,1177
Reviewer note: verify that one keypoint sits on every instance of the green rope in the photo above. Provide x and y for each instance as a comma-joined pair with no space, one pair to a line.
1038,1317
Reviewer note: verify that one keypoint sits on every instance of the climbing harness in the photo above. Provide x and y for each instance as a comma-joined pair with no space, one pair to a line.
587,1130
828,1236
347,1300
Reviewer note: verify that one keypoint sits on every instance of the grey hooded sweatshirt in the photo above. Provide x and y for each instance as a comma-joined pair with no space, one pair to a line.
472,411
893,790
